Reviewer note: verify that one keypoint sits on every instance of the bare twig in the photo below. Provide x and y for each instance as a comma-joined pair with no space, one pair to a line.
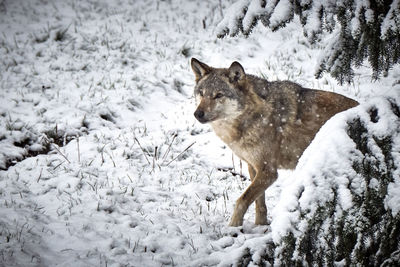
129,178
144,152
102,155
58,165
58,150
155,159
40,175
109,154
169,148
186,149
54,145
79,152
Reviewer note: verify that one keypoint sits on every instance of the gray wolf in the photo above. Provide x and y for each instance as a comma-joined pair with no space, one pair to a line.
267,124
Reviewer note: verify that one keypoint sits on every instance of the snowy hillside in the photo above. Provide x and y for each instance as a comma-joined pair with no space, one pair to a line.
102,162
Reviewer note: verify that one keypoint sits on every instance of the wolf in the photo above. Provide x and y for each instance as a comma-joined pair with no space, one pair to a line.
267,124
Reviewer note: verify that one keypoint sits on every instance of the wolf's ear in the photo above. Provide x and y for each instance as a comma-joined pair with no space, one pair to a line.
199,68
236,72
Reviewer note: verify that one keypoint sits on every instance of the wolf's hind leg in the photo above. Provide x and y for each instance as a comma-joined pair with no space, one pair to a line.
261,208
260,183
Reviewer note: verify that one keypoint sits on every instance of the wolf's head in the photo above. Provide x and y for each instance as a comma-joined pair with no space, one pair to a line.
219,92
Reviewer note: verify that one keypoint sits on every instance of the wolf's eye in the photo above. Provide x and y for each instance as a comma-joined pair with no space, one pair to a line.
201,92
219,95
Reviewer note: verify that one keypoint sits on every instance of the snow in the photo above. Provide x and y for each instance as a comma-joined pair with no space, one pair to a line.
134,178
254,10
283,12
391,19
313,183
362,9
236,12
313,24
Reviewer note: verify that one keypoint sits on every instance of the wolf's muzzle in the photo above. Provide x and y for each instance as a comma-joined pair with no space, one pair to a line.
199,115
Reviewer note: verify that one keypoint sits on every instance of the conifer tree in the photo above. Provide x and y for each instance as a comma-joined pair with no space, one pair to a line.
361,29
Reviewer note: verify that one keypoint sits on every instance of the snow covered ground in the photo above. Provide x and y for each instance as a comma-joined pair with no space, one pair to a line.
103,163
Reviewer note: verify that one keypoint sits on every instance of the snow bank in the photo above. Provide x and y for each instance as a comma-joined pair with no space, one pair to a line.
342,205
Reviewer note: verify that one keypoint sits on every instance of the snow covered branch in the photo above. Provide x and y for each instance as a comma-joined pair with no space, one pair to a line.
365,30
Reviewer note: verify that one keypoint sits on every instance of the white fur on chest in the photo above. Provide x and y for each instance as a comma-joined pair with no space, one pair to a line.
241,143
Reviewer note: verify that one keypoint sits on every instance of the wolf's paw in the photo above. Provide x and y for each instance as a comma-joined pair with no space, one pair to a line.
236,222
261,220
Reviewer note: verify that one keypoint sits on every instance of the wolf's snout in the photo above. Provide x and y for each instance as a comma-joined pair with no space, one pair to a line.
199,115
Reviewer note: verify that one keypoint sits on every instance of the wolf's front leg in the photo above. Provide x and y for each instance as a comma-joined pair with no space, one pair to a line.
256,189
